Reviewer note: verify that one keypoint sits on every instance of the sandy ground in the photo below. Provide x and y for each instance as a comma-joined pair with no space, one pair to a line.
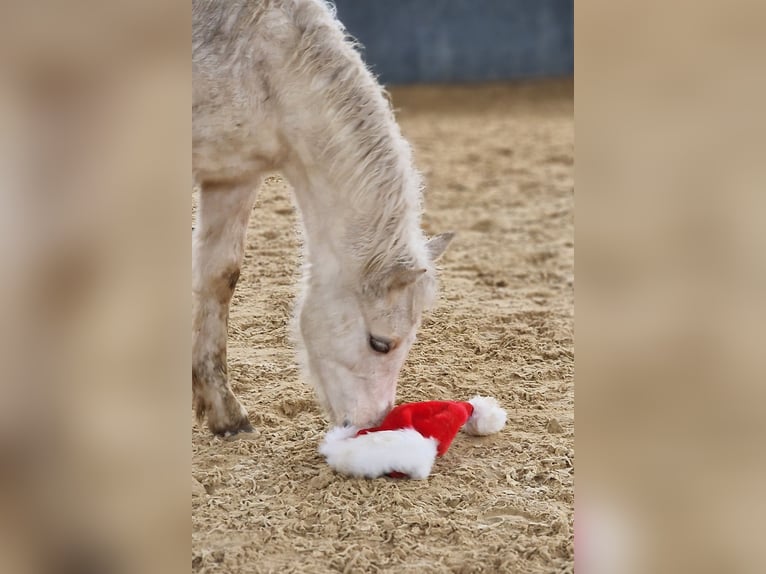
498,162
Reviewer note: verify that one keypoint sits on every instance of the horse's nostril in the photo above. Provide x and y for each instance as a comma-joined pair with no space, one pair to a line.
346,423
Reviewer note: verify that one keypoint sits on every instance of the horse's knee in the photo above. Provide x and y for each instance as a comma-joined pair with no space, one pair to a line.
217,284
225,282
233,277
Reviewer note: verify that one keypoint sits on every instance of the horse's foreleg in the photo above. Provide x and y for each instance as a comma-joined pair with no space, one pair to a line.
218,248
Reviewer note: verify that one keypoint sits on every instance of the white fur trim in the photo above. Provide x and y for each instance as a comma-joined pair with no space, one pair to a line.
378,453
487,418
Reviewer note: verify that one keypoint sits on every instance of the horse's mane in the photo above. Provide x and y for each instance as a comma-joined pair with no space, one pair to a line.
364,151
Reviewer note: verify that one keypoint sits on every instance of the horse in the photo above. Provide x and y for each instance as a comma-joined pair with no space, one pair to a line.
278,85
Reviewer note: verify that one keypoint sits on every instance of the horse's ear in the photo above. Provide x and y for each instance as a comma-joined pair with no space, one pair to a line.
401,277
438,244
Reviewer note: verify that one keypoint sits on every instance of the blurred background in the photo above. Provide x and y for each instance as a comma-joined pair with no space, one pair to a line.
412,41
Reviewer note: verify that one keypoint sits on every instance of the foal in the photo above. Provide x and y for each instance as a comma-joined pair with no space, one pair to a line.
278,86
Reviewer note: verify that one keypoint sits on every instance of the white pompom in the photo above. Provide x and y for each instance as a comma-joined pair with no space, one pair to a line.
487,418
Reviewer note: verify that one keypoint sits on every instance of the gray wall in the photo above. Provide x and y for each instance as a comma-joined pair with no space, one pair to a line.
409,41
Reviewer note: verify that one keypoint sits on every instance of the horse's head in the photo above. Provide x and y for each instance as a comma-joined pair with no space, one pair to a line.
355,337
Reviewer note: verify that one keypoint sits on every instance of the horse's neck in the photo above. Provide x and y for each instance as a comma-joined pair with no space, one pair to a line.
358,193
351,167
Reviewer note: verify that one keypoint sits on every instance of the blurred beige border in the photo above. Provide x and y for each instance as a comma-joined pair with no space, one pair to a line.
671,285
95,141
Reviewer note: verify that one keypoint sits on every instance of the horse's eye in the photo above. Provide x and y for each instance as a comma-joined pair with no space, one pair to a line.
380,345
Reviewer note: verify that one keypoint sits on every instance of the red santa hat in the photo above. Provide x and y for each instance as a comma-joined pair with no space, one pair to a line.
410,438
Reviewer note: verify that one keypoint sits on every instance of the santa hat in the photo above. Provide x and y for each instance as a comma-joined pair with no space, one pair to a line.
410,438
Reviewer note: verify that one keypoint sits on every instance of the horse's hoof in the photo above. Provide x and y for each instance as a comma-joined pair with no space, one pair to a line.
242,428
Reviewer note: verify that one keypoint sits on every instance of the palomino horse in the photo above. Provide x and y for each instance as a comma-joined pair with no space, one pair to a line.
277,85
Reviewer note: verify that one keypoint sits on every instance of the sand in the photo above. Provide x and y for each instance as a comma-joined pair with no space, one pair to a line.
498,163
